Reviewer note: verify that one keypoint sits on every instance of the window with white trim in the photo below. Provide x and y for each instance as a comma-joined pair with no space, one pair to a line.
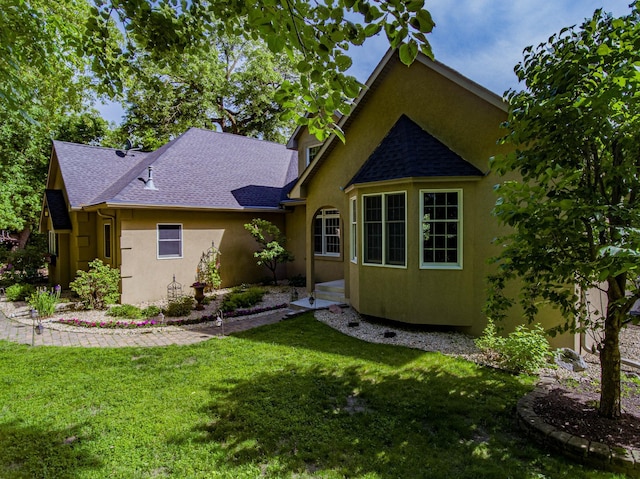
169,241
384,229
441,218
107,240
312,152
353,232
326,233
53,243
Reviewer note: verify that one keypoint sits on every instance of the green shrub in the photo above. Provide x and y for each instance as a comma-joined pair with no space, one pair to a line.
298,281
524,350
44,301
19,292
237,299
97,287
180,307
151,311
125,311
23,265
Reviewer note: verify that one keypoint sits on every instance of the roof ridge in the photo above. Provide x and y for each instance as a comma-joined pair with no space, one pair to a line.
96,147
226,133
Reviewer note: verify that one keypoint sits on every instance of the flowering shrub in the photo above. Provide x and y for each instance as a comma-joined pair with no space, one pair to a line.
169,321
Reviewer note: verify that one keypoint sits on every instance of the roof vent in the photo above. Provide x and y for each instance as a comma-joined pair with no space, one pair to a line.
148,183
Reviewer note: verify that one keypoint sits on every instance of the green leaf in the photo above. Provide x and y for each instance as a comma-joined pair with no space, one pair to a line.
372,29
343,62
408,52
425,21
414,5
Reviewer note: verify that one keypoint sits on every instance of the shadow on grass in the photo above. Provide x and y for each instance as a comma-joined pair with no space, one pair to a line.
433,417
29,452
308,333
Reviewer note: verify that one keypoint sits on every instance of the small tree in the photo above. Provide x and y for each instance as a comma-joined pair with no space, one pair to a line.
272,243
575,212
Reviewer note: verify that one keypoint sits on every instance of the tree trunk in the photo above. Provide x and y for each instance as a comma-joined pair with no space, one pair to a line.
23,237
610,359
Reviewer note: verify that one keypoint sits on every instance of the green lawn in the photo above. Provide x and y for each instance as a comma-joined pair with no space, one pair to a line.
296,399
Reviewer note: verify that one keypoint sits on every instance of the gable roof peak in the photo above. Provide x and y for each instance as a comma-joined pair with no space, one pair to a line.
408,151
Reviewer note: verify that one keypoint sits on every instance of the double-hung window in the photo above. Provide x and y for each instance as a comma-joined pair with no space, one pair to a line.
326,233
107,240
441,213
312,152
53,243
384,229
353,231
169,241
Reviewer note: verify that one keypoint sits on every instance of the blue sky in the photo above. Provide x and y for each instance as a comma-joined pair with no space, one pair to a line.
482,39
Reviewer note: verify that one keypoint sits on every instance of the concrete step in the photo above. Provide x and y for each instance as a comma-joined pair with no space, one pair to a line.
330,291
334,296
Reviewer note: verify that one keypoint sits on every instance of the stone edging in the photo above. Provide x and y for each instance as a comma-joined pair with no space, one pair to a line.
595,454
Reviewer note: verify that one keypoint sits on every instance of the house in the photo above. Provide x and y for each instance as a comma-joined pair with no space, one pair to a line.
153,214
396,219
400,212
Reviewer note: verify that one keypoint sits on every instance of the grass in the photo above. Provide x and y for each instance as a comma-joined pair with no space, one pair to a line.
295,399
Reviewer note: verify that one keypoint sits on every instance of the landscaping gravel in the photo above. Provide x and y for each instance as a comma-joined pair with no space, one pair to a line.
452,343
461,345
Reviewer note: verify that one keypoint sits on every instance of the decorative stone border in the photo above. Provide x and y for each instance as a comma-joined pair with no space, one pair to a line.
595,454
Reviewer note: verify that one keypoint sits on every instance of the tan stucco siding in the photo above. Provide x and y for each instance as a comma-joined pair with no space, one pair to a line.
145,276
470,126
304,143
296,240
411,293
83,244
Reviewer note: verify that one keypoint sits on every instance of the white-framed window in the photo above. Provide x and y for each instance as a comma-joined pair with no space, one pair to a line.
441,220
385,229
312,151
107,240
169,241
353,231
53,243
326,233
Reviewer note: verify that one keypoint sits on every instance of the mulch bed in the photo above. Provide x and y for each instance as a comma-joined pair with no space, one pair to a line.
572,408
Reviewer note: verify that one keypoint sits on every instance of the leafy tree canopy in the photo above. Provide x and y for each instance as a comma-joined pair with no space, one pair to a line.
316,36
575,209
231,86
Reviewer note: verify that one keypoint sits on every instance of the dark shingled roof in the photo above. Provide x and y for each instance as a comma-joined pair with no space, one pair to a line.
408,151
58,210
199,169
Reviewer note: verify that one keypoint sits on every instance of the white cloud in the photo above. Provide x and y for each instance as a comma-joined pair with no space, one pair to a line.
484,39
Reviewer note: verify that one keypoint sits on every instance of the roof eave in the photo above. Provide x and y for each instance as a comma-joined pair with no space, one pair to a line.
413,179
119,205
363,91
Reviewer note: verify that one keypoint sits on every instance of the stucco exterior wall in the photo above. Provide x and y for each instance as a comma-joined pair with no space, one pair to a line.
145,276
468,125
296,240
